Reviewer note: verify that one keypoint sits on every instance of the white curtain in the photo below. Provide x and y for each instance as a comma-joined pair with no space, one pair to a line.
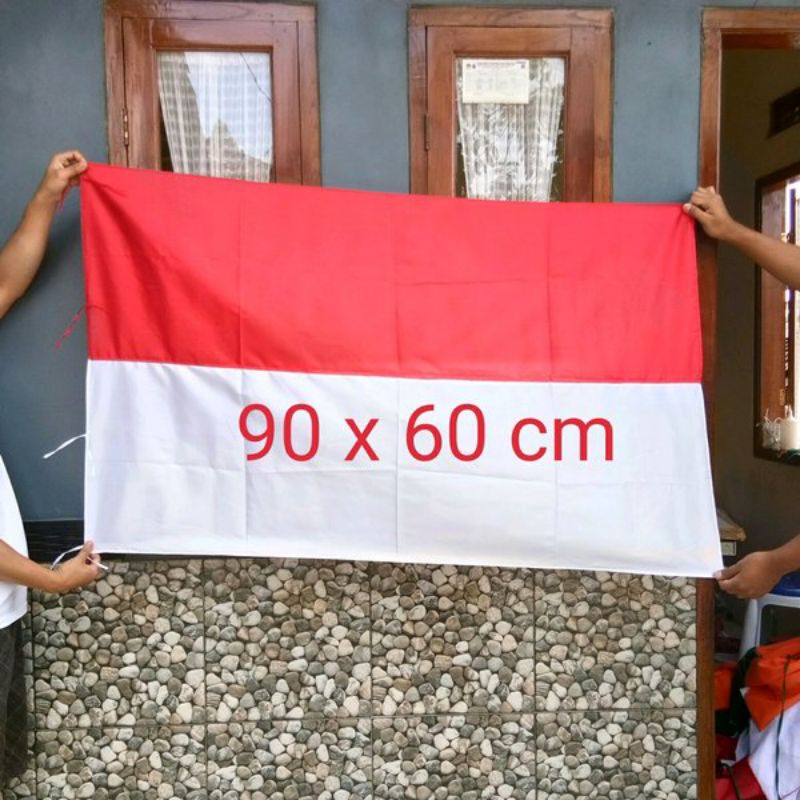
509,150
217,110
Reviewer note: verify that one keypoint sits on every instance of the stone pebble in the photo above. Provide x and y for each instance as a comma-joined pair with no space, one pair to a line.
452,639
614,641
128,649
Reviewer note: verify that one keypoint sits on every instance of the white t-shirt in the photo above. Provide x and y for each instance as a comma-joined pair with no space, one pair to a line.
13,598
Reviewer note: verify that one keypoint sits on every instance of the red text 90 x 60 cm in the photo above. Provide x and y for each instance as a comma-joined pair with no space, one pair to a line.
298,431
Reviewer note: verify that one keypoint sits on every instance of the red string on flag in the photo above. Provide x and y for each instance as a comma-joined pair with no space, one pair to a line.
70,328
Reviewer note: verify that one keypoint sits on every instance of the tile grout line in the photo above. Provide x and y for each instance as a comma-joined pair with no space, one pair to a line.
33,697
205,669
534,715
371,570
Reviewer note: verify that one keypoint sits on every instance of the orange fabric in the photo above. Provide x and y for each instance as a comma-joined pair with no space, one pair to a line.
765,681
723,680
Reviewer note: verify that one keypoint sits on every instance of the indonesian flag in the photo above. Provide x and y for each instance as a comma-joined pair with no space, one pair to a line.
302,372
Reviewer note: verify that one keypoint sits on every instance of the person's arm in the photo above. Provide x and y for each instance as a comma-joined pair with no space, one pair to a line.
22,254
78,571
779,258
755,574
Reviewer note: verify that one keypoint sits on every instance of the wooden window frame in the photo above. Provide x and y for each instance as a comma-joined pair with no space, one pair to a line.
591,32
775,344
723,28
240,21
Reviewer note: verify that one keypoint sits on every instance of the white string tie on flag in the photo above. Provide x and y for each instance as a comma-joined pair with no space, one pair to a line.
63,446
66,553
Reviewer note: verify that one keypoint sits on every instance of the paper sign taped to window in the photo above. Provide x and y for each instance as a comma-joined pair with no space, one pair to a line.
495,81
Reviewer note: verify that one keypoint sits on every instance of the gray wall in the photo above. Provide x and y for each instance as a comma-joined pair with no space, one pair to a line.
52,96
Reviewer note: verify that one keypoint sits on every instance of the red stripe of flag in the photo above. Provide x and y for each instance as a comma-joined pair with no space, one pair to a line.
331,281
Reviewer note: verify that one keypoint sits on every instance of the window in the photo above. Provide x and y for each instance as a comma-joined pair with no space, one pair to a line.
221,89
511,104
777,315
